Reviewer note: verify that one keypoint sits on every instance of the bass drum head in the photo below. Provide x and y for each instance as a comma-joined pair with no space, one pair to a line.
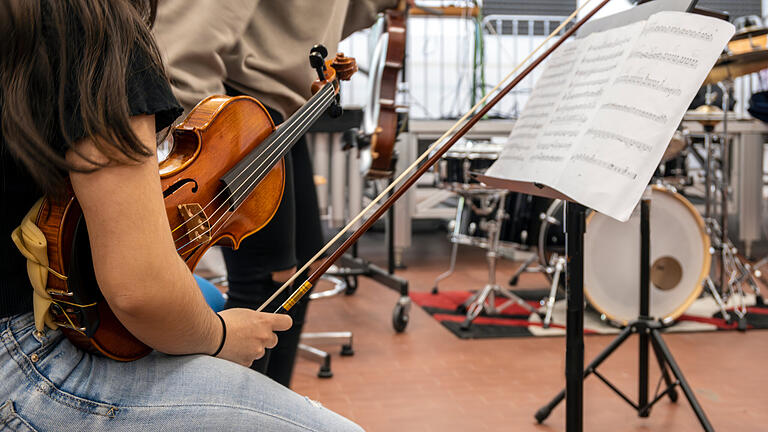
679,260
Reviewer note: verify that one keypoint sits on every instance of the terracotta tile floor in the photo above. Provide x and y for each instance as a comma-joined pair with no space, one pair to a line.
426,379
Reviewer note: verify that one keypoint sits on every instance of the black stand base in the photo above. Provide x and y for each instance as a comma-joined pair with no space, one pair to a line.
649,332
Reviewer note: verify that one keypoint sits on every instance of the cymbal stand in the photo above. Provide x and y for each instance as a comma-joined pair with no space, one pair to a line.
733,272
709,284
740,272
485,299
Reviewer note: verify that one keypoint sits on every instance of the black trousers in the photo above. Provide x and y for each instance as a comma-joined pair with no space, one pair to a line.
292,237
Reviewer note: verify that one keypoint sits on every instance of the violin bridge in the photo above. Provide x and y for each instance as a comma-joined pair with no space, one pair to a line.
196,222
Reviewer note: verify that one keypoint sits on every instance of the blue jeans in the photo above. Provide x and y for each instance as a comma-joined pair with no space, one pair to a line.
47,384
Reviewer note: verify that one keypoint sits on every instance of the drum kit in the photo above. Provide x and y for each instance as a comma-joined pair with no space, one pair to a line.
690,253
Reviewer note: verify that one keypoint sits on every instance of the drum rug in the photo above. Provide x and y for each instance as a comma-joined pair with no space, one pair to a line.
702,316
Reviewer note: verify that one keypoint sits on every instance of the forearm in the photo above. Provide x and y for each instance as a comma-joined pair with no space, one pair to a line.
175,318
143,279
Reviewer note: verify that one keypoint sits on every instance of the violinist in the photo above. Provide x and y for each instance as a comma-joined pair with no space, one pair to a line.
260,49
82,94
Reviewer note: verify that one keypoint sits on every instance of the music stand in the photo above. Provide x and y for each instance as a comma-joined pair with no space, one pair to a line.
648,331
575,227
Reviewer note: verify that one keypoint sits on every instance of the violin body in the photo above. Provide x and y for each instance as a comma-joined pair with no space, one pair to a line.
212,139
384,138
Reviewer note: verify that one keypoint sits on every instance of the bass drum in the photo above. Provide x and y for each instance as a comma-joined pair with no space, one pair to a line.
679,257
680,260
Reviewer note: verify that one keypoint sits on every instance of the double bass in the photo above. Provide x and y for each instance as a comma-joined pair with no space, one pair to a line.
381,123
222,181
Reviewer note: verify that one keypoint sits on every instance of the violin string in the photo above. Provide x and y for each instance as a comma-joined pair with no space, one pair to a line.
302,121
418,160
201,211
277,144
276,156
264,158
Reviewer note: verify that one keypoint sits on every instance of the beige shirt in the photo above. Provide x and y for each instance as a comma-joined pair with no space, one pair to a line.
259,47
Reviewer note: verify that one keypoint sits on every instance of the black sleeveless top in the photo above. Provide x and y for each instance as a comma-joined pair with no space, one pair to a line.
148,92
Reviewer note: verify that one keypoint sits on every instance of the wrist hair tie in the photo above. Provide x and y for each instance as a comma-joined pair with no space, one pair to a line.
223,335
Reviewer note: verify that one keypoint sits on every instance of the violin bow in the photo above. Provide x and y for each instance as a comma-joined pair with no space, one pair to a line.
409,180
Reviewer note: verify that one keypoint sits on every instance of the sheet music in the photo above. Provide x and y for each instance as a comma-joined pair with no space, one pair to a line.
606,107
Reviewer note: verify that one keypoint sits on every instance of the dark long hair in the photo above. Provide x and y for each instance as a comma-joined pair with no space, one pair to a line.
55,52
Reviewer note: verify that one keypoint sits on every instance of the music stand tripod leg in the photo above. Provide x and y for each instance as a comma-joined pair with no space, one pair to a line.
546,410
672,393
678,373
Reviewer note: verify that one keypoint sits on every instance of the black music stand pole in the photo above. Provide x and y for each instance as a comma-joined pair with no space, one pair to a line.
575,227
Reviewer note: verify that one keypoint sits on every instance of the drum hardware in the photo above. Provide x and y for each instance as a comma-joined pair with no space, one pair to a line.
485,299
733,273
558,264
454,173
516,233
673,168
649,333
677,145
454,170
550,255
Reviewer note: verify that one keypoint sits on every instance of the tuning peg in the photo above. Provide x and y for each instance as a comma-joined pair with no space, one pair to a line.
319,49
335,110
318,64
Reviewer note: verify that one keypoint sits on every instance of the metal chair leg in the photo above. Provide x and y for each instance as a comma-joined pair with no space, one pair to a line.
341,338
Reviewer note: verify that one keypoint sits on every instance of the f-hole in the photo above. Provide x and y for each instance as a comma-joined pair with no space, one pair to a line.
178,185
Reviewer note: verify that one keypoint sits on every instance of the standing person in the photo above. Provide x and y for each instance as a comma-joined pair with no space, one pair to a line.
260,48
82,94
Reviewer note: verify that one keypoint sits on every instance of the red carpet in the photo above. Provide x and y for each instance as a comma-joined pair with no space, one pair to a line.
517,322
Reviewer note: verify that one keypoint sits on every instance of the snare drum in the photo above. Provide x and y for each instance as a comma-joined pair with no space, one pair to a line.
465,157
519,227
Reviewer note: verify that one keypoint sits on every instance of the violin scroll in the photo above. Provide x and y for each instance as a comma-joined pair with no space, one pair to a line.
344,66
330,71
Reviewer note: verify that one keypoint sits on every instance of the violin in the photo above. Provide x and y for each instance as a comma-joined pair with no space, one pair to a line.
222,181
384,136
